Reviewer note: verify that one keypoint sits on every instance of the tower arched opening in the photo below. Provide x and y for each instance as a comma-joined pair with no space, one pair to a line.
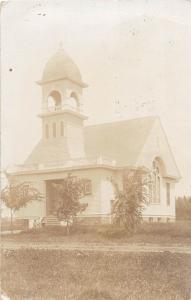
54,100
73,101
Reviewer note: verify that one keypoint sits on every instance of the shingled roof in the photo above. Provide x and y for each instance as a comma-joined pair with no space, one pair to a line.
121,141
49,151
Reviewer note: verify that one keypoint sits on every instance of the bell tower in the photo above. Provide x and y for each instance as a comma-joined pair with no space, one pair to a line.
62,115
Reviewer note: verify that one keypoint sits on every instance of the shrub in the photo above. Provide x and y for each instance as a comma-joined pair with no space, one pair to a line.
177,229
183,208
83,229
70,191
112,231
49,230
17,224
130,201
76,229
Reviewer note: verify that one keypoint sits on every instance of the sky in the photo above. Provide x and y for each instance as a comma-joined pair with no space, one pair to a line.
134,56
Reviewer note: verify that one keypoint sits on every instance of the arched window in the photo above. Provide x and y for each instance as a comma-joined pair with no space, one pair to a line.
155,183
47,131
54,129
150,187
62,128
157,189
54,100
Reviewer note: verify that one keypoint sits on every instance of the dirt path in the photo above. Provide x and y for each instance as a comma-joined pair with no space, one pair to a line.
97,247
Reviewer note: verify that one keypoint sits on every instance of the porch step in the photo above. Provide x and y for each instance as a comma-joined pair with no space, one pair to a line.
52,220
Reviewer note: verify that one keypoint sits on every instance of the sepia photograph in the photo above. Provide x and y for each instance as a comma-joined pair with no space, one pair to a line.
95,150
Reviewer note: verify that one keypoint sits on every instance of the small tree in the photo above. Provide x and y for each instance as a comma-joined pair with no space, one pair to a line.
70,191
16,196
130,202
183,208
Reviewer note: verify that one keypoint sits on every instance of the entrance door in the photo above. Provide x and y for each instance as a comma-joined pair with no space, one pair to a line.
52,197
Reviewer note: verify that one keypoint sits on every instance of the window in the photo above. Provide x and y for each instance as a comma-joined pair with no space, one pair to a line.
154,184
47,131
62,128
54,129
168,193
159,220
157,189
150,219
150,187
87,187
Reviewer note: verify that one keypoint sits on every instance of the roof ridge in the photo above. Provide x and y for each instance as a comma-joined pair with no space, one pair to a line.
122,121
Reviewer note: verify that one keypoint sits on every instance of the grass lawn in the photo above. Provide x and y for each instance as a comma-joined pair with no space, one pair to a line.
71,275
155,233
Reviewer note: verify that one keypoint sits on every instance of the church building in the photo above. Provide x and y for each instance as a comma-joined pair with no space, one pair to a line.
95,153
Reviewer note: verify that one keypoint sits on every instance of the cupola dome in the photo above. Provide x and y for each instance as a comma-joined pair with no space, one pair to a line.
61,66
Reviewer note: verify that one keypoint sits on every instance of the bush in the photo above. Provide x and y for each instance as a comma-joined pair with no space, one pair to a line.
183,208
17,224
83,229
111,231
130,201
48,230
176,229
76,229
146,230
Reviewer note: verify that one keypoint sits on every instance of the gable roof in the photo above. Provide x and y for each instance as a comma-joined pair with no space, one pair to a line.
121,141
118,141
126,143
49,151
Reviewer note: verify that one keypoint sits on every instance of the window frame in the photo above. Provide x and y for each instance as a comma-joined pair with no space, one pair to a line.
168,193
87,187
155,184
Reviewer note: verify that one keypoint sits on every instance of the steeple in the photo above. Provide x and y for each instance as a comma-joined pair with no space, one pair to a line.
62,116
61,83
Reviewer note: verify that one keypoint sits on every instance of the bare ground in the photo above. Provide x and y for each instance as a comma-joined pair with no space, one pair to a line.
97,247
